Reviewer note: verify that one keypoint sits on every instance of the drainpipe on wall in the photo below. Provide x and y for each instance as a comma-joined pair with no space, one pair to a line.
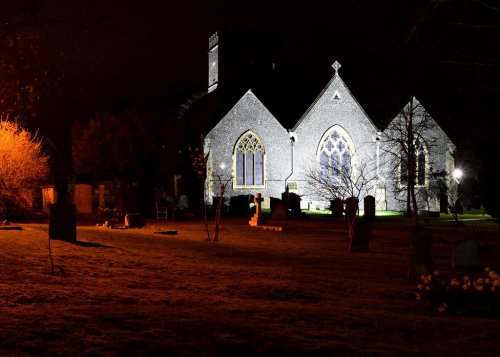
292,140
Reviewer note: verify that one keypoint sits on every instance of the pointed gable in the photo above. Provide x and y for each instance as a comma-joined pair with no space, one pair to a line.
250,118
249,113
434,132
334,101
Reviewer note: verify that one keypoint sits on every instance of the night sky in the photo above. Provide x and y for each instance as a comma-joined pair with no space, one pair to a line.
111,54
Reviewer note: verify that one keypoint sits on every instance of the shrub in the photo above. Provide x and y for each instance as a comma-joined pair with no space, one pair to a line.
462,296
23,164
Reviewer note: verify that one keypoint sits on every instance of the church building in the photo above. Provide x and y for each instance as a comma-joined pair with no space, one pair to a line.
249,150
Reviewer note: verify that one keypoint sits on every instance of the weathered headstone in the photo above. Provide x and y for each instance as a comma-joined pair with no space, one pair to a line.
256,219
83,198
293,202
134,220
369,204
280,210
239,206
337,207
49,196
360,241
351,207
465,254
421,259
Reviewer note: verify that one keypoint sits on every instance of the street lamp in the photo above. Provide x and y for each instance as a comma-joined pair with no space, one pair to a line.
457,174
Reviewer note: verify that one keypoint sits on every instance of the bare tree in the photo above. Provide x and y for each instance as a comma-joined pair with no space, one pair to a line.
408,143
331,180
22,164
199,161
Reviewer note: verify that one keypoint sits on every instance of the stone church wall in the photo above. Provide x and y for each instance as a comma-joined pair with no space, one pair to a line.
249,114
334,107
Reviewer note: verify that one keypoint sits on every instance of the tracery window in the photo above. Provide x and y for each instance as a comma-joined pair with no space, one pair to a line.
249,156
335,156
419,164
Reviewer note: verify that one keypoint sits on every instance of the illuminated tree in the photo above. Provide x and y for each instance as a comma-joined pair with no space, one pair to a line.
22,164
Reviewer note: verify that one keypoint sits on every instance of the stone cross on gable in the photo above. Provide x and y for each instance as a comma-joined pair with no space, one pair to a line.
336,65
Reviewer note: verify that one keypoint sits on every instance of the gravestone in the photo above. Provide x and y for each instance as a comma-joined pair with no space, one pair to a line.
83,198
351,208
134,220
279,210
49,196
239,206
360,241
465,254
421,259
62,222
337,207
183,202
293,202
369,204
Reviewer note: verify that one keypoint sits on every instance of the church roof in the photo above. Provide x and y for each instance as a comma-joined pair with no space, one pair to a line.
336,78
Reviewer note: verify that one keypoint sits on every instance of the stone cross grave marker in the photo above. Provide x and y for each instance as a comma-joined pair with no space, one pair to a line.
256,220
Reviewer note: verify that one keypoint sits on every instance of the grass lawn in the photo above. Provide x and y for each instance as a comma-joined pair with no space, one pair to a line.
255,292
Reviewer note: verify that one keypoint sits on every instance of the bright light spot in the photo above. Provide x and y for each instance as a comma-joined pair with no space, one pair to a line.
222,165
457,174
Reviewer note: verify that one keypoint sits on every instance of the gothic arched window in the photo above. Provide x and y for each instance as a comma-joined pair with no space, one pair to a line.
335,156
249,159
419,163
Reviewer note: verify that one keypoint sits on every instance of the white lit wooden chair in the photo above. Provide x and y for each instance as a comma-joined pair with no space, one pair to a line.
161,211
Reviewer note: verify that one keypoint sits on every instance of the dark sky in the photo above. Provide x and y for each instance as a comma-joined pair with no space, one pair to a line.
132,51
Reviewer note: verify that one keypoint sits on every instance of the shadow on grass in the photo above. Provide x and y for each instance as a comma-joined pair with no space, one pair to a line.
86,244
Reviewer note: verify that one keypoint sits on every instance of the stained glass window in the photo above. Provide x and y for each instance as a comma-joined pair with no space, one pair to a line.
335,158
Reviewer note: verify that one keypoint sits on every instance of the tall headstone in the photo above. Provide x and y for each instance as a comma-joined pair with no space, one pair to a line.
360,241
49,196
83,198
369,204
62,222
351,207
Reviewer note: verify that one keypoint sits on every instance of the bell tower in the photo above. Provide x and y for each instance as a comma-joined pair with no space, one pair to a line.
213,62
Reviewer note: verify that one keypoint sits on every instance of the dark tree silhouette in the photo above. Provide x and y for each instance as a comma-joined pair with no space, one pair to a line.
114,147
407,143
